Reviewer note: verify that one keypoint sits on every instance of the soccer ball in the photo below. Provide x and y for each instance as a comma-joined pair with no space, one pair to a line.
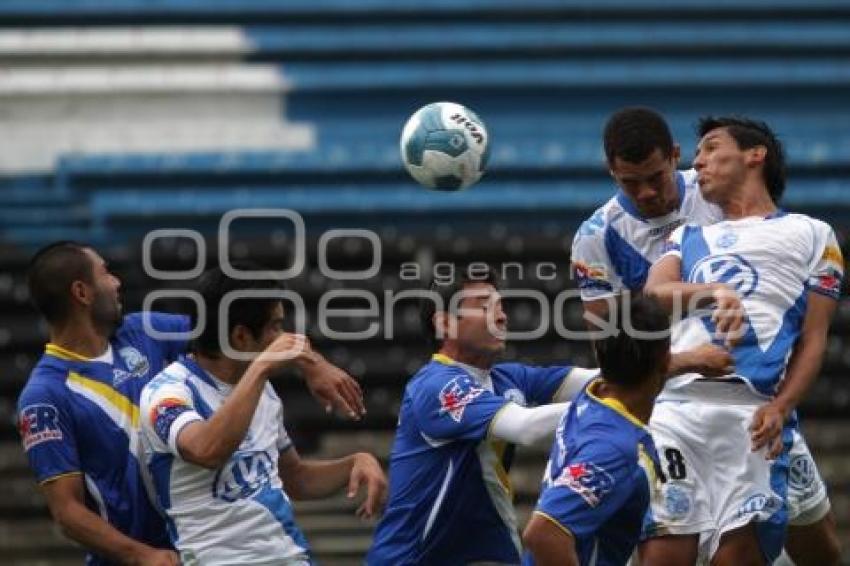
445,146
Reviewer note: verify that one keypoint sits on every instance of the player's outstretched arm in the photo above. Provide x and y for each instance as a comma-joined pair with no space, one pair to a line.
67,505
802,371
332,387
707,360
210,443
315,479
527,426
549,543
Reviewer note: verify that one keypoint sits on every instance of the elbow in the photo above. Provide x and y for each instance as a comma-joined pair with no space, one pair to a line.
210,456
532,539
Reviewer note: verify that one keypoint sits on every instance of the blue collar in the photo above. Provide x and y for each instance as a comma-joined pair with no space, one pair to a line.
627,204
200,372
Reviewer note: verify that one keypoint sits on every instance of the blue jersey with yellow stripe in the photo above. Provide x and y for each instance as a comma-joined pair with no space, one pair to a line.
450,501
601,475
80,415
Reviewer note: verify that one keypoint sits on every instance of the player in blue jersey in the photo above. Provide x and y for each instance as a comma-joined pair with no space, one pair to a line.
78,413
214,441
603,468
771,282
612,252
450,500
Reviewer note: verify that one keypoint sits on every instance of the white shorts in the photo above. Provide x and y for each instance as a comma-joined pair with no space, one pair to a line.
714,482
808,502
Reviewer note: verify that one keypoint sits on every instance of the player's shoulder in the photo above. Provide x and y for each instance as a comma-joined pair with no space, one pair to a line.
175,374
46,383
815,224
595,225
436,373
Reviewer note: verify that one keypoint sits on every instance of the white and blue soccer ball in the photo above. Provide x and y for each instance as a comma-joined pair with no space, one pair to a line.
445,146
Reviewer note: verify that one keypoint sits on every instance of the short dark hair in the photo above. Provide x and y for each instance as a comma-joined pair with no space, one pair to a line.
253,313
463,275
628,360
51,272
749,133
633,133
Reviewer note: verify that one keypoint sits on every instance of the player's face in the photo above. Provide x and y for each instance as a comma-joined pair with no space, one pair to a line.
481,321
106,307
272,329
720,164
650,184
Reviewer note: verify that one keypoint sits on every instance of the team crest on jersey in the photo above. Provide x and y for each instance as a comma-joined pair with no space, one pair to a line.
829,282
456,395
243,476
39,423
731,269
136,362
726,240
588,480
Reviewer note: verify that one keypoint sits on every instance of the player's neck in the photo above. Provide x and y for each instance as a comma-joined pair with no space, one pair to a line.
481,360
751,200
222,368
81,337
638,402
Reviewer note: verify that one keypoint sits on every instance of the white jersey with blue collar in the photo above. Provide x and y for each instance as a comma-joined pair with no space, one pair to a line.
239,513
614,249
773,264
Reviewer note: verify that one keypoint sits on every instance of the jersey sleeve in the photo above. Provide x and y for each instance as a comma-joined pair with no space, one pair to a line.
827,270
538,384
47,433
592,485
591,265
451,406
177,326
166,407
673,245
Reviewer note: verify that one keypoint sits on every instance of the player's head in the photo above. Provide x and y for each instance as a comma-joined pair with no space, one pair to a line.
639,351
252,323
732,148
68,279
465,313
642,158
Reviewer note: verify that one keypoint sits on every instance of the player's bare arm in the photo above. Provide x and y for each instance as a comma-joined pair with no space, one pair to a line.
665,284
332,387
802,371
709,360
65,498
549,543
315,479
210,443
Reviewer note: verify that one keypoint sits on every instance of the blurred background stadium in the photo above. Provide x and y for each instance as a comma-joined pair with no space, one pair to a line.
122,116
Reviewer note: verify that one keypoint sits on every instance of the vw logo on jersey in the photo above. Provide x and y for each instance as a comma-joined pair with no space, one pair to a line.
726,240
244,475
801,472
731,269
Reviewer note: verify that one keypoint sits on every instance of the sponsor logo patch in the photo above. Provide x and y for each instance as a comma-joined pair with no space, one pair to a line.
588,480
456,395
38,423
801,472
677,502
164,413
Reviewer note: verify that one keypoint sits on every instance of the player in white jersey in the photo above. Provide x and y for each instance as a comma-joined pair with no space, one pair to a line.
612,252
766,284
222,464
